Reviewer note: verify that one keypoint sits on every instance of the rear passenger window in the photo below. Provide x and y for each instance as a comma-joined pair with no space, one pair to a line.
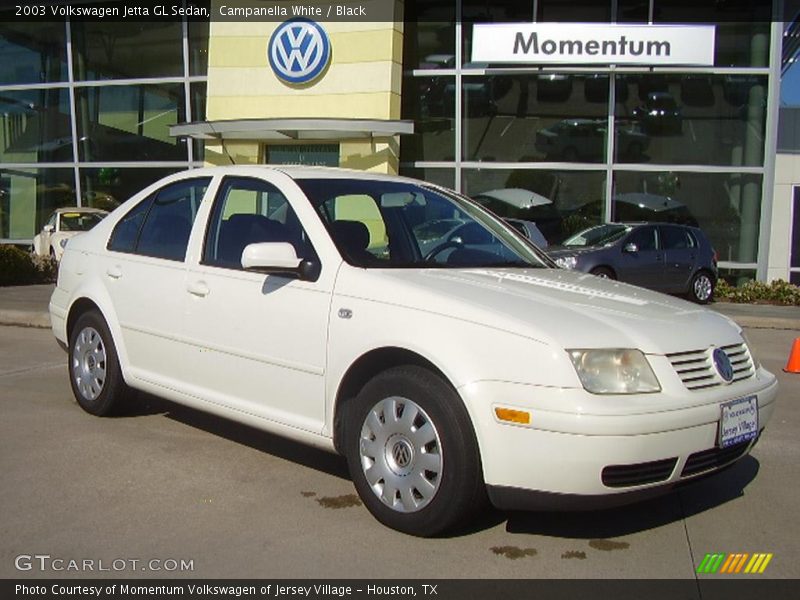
676,238
249,211
160,225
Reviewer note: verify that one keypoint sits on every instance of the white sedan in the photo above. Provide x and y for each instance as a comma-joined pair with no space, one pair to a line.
63,224
297,300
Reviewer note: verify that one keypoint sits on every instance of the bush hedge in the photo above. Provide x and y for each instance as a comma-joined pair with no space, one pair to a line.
758,292
18,267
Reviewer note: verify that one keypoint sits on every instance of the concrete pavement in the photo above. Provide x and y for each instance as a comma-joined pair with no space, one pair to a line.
27,306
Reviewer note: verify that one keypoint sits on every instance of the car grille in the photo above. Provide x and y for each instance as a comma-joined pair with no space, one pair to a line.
638,474
713,459
696,368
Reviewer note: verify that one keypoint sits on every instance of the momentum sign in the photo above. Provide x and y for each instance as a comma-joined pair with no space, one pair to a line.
593,43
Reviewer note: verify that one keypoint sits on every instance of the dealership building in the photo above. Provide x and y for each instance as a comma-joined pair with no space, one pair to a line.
601,110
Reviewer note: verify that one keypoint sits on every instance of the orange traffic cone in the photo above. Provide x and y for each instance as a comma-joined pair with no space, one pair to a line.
793,366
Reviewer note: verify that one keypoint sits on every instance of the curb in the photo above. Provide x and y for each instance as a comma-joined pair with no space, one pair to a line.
25,318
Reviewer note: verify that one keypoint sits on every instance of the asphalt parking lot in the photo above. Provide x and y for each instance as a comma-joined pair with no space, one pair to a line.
167,483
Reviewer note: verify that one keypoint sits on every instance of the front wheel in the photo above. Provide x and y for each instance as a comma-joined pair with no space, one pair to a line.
412,453
603,273
94,371
701,289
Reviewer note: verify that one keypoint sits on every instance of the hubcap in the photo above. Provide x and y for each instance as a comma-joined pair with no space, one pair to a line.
89,363
702,288
400,454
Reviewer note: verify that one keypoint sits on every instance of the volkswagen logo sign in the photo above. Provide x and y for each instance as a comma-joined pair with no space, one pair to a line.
299,51
723,365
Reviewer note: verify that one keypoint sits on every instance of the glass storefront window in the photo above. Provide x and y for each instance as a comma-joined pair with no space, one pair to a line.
692,119
108,187
431,103
35,126
580,11
121,50
443,177
533,118
32,53
726,207
28,196
743,28
560,203
429,34
633,11
198,104
198,43
490,11
126,123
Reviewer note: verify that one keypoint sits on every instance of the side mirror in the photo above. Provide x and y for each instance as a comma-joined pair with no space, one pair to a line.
48,229
278,258
632,248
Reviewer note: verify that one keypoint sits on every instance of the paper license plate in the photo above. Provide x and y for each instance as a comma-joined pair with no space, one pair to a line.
739,421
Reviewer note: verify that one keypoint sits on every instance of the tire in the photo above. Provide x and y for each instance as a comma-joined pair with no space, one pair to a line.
94,371
701,289
412,452
603,273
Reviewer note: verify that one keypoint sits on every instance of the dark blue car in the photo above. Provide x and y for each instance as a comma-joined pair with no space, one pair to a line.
675,259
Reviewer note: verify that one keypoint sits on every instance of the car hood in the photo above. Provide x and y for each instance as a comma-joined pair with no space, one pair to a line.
556,251
562,308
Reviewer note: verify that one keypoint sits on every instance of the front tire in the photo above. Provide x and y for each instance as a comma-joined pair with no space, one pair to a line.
412,452
701,289
94,371
603,273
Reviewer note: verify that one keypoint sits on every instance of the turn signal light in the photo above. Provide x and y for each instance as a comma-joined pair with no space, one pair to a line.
513,416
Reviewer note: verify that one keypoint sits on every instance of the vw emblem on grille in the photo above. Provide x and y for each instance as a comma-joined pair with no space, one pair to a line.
401,452
299,51
723,365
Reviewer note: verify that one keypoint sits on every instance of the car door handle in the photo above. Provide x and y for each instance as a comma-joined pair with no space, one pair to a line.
114,272
198,288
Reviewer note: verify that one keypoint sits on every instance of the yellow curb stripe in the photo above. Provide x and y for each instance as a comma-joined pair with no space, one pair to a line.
765,563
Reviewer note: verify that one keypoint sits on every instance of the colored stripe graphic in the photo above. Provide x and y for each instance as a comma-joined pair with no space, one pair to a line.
731,564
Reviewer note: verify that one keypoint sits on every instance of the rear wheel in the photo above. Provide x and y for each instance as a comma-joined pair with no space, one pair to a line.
94,371
603,273
701,289
412,452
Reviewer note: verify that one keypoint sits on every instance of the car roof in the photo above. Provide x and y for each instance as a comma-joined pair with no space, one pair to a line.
306,172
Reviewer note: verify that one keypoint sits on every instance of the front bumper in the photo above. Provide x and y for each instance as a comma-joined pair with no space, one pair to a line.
568,460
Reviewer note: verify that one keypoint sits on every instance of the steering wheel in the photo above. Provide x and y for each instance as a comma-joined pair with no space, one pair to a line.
451,243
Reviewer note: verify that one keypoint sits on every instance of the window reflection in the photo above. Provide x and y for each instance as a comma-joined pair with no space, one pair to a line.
430,102
108,187
532,118
32,53
28,196
693,119
35,126
429,34
726,206
119,123
122,50
559,203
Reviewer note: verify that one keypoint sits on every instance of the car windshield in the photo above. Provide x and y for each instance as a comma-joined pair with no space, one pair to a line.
600,235
80,221
390,224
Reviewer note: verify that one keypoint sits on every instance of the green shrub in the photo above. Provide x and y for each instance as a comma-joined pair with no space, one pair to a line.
18,267
758,292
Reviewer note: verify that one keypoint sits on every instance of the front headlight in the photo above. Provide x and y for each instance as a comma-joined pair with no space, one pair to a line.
618,371
567,262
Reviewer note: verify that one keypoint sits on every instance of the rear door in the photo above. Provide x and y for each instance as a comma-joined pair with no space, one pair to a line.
680,257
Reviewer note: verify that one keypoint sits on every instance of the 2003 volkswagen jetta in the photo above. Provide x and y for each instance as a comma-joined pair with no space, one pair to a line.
299,301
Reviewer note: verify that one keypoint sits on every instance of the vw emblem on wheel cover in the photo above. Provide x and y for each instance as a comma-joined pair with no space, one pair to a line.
401,454
299,51
723,365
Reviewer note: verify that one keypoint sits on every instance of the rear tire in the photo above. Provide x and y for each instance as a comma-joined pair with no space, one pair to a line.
94,372
412,452
701,289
